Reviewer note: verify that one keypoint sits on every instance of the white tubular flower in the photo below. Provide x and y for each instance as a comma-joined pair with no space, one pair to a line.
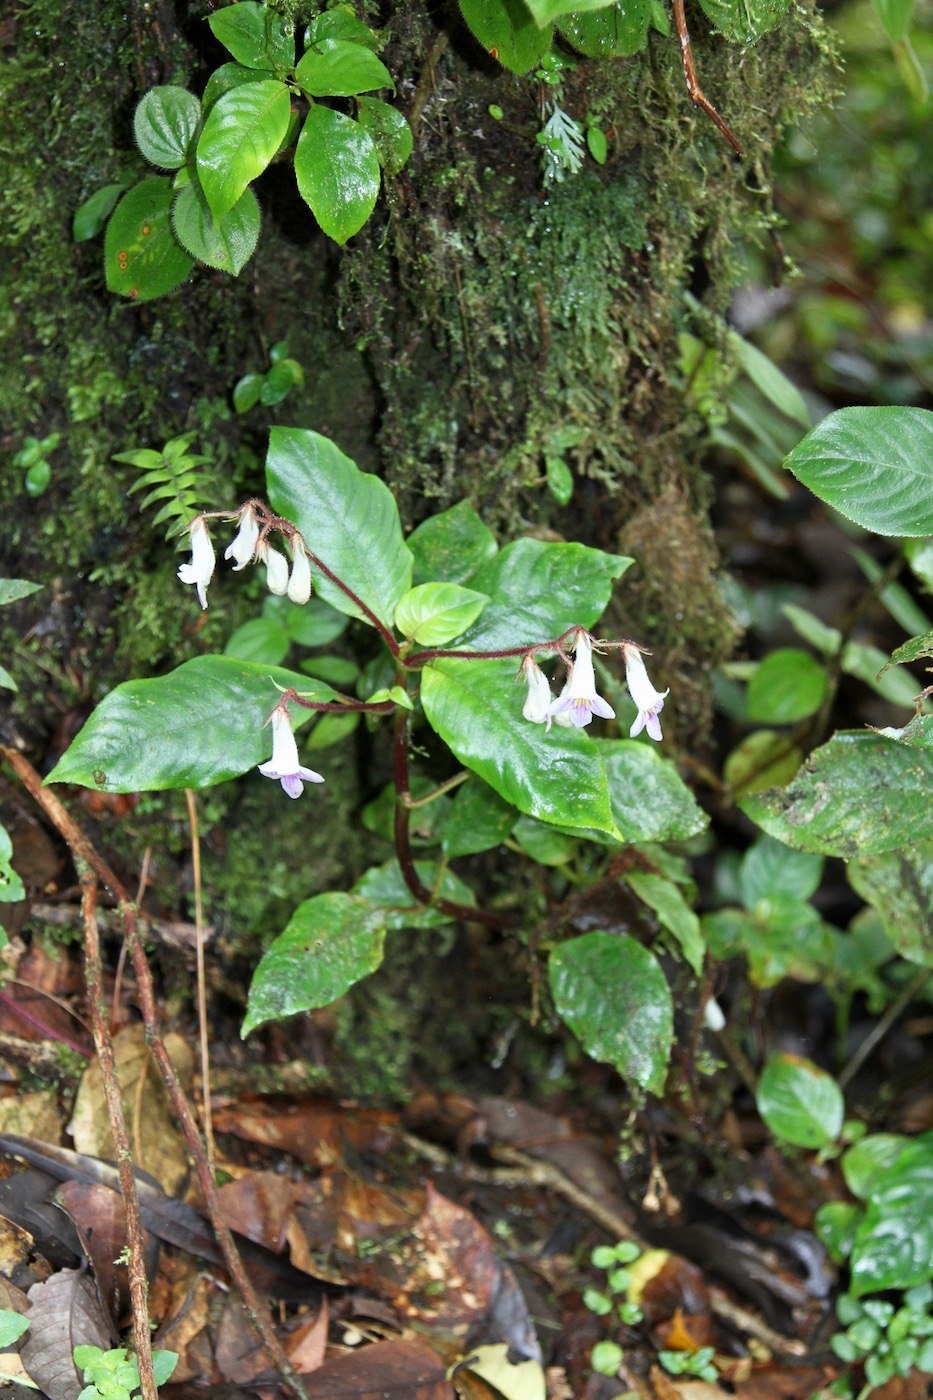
201,569
276,569
243,549
299,584
578,701
539,698
648,701
284,763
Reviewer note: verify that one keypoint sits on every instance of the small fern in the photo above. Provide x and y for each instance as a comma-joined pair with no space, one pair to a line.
172,476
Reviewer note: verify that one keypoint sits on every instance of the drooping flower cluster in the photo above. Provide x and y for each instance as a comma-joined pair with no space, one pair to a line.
578,702
248,547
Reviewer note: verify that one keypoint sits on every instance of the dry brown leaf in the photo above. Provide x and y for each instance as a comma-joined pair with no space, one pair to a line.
186,1330
37,1114
315,1131
404,1370
155,1142
259,1206
238,1350
305,1346
64,1312
98,1215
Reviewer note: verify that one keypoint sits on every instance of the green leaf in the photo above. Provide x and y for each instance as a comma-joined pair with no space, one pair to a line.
912,72
649,800
476,708
507,28
894,1243
331,941
243,131
332,728
451,546
260,640
229,245
341,68
141,257
673,911
278,382
223,79
38,478
800,1102
538,590
918,734
874,465
899,884
12,1327
340,24
895,16
614,997
542,843
434,613
311,624
773,382
478,820
546,11
836,1225
6,680
914,650
866,1161
787,686
337,170
12,889
860,794
764,759
91,216
597,144
390,132
246,392
13,589
559,480
612,31
257,36
771,870
200,724
163,1365
744,21
386,890
781,937
348,517
165,123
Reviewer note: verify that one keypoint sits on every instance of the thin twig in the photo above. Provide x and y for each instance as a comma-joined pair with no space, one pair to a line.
913,989
93,971
82,849
697,95
202,983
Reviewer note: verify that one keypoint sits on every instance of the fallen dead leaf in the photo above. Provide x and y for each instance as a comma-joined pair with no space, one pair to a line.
64,1312
35,1113
314,1131
404,1370
238,1350
188,1309
524,1381
98,1216
155,1142
258,1206
305,1346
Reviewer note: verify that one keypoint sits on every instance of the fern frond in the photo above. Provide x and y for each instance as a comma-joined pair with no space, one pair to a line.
173,477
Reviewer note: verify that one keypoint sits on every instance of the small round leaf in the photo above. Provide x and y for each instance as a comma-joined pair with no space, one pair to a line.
800,1102
227,245
165,124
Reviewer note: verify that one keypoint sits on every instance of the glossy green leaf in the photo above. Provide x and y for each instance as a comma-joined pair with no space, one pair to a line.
537,590
227,245
507,30
649,799
223,79
6,680
899,884
331,942
559,480
914,650
611,31
335,670
451,546
279,381
773,382
256,35
331,729
771,870
390,132
246,392
311,624
260,640
800,1102
348,517
744,21
243,131
836,1225
200,724
341,68
781,937
434,613
91,216
788,685
12,889
38,478
895,16
864,1163
142,260
13,589
874,465
547,11
385,888
337,170
613,995
476,708
339,24
597,144
673,911
542,843
478,819
165,124
894,1243
860,794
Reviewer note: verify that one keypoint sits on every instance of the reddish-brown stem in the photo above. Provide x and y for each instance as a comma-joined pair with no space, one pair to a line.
139,1291
82,850
697,95
421,658
38,1024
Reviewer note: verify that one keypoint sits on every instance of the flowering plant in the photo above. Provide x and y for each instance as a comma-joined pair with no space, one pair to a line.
459,621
